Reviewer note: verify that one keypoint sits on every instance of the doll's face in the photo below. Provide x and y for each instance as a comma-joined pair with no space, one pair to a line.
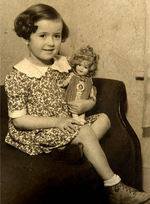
83,68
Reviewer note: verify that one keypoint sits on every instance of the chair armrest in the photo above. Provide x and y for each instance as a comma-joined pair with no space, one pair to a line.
121,141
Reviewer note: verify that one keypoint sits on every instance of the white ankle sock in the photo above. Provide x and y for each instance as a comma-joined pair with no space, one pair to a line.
113,181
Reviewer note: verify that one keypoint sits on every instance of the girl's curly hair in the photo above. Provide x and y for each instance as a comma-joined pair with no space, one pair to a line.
87,54
24,24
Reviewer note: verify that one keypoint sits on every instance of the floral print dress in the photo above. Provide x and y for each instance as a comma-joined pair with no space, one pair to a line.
34,90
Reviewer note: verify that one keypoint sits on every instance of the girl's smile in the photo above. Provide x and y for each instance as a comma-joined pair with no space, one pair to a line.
45,43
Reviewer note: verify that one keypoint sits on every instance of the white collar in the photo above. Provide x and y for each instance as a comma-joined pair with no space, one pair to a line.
27,67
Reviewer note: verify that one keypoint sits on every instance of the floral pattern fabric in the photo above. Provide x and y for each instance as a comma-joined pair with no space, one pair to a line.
38,97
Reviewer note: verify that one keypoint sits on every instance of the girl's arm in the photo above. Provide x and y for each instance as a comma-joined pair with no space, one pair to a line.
28,122
81,106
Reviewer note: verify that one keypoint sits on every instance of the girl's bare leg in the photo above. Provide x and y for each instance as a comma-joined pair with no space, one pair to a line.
118,193
93,151
101,125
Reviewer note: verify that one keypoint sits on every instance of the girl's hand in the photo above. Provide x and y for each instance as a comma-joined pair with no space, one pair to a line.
60,84
81,106
67,124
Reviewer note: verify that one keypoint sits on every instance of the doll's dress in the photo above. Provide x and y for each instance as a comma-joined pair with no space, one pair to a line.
79,88
34,90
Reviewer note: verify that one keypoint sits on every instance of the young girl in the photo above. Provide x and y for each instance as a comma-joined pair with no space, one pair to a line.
39,118
79,83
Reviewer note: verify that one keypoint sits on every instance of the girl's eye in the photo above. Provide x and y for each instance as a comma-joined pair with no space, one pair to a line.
57,36
42,35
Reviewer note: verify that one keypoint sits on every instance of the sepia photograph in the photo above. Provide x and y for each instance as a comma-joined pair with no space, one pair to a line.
75,101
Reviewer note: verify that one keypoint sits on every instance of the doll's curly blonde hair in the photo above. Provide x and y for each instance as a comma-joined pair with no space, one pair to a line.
87,54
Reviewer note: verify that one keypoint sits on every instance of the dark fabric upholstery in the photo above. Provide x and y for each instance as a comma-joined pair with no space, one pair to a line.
40,179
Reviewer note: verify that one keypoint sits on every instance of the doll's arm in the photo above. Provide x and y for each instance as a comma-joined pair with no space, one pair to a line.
93,93
67,81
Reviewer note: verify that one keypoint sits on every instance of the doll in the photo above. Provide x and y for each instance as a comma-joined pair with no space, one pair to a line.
79,83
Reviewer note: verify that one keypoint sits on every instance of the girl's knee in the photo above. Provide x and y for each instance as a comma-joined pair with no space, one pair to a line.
105,119
84,134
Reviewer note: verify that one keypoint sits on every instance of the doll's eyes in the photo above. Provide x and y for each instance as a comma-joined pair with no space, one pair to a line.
86,67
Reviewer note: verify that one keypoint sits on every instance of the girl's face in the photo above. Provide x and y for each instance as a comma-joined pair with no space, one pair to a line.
45,43
82,68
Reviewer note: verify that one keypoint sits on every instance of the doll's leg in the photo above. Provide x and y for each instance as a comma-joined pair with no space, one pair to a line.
82,117
76,117
79,118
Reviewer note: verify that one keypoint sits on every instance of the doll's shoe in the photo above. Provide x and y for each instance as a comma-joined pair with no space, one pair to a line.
123,194
79,119
82,121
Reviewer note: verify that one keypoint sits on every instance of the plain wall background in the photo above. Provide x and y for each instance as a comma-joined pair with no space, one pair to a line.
117,29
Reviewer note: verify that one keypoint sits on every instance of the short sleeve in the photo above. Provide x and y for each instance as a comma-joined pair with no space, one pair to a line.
16,89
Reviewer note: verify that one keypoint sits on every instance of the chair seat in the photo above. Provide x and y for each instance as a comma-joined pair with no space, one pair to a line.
38,179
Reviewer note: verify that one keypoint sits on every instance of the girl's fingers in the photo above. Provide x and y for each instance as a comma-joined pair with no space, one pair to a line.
75,122
73,111
70,125
72,106
69,129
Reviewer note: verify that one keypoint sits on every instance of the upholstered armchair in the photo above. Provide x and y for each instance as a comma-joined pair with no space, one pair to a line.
51,177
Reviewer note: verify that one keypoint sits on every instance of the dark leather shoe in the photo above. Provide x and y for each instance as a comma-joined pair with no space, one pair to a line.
123,194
